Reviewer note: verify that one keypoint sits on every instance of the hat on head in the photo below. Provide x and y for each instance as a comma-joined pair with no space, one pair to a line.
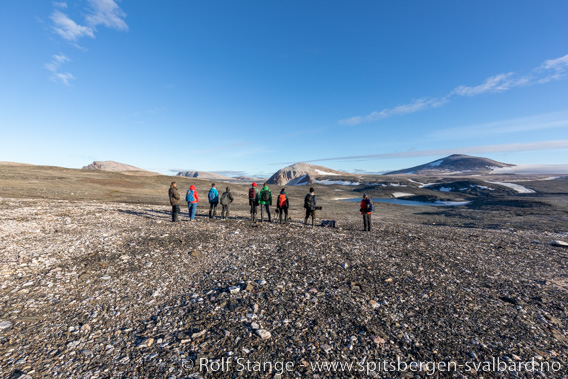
364,195
254,184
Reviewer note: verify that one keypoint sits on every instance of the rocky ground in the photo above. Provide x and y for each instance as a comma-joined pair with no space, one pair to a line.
113,290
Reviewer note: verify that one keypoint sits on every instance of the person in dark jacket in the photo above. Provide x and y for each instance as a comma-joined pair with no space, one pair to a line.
226,200
310,203
282,205
174,201
366,209
253,201
265,200
213,197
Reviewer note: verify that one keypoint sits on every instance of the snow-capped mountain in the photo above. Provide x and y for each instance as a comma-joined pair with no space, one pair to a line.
456,164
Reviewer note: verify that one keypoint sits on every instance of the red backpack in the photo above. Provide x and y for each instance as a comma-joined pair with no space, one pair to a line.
252,193
281,200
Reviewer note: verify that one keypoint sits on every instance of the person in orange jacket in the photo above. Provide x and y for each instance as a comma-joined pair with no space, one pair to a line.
366,209
192,199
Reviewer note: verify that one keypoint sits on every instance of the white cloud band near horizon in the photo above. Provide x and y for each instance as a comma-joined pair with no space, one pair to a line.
550,70
503,148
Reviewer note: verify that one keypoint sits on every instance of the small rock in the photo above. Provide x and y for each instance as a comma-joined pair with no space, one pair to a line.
344,265
72,345
326,348
389,280
4,325
264,334
146,343
234,289
87,353
249,287
199,334
196,254
374,304
559,244
378,340
254,326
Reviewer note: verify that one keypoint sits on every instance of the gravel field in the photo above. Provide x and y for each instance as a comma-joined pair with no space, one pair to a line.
115,290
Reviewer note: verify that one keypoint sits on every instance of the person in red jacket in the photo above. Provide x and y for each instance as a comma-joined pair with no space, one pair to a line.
366,209
192,199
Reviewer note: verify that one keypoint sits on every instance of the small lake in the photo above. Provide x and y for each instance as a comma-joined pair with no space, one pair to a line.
415,203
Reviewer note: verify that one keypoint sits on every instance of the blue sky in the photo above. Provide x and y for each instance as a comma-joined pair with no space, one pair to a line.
247,87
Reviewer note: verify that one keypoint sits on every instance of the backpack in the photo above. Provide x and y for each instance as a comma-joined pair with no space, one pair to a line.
281,200
225,199
212,196
369,202
309,202
265,195
189,196
252,193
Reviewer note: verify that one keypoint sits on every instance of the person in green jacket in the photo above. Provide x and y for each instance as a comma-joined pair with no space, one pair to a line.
265,197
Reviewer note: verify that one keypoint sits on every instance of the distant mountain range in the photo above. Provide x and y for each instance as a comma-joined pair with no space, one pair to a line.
217,177
456,164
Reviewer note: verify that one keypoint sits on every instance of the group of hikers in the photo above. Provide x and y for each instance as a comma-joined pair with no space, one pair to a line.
257,199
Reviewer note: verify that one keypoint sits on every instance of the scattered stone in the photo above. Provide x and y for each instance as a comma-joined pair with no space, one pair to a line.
198,334
196,254
458,290
264,334
234,289
559,244
377,340
5,325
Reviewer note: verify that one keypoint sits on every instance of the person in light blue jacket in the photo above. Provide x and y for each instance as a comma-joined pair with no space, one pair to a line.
213,197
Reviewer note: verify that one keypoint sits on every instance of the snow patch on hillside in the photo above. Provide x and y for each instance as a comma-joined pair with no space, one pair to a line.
517,187
402,194
325,173
339,182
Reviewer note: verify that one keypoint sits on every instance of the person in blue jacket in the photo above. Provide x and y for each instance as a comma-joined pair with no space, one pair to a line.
213,197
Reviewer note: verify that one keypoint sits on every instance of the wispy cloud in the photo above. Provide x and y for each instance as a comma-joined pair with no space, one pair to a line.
107,13
60,5
415,106
512,147
550,70
69,29
498,83
100,12
54,67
